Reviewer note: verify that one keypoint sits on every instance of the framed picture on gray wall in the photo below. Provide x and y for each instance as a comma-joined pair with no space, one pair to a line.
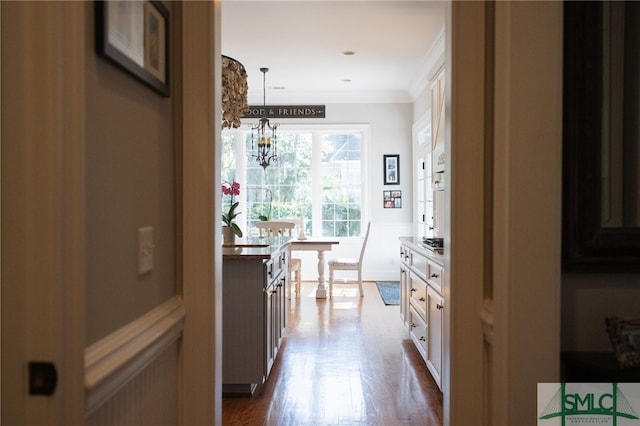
134,35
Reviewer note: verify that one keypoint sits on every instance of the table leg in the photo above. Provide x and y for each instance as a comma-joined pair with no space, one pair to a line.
321,291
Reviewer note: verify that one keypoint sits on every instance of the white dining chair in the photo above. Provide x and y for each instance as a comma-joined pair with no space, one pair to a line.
349,264
275,228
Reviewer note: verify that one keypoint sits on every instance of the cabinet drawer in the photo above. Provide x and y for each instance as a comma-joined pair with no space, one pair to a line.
418,294
419,264
418,332
436,273
275,265
405,254
272,269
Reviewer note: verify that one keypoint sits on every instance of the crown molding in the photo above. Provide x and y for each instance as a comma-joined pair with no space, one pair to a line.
325,97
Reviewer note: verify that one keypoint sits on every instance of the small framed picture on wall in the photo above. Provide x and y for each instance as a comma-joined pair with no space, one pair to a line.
391,169
134,35
392,199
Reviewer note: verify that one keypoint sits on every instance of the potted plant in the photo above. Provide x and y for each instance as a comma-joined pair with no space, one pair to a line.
231,229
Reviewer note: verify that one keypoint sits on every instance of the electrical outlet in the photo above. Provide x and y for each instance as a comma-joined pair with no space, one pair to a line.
145,249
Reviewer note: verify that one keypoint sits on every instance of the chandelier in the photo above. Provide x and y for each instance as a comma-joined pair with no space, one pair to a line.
234,92
263,134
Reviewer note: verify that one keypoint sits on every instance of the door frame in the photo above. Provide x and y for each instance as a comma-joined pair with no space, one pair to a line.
43,214
43,108
200,260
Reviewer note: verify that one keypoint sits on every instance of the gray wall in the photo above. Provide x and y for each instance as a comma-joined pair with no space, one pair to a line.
129,184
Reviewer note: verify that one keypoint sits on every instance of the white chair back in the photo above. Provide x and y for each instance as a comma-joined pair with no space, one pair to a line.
364,243
349,264
275,228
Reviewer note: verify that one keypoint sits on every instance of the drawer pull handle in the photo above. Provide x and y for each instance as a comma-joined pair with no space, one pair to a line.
414,289
439,306
422,299
424,339
413,325
434,275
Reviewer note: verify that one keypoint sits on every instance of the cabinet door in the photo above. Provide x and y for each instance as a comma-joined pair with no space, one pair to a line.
435,276
404,293
405,284
281,311
270,302
438,122
418,294
435,305
276,295
438,214
418,332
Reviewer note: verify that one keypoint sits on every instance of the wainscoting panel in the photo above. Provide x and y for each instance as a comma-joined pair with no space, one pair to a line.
148,399
131,375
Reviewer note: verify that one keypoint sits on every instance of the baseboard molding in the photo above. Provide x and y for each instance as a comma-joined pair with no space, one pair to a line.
114,360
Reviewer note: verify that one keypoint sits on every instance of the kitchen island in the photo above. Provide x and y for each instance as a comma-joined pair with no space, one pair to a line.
255,276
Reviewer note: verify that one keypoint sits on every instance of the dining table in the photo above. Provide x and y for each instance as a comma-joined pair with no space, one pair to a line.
320,245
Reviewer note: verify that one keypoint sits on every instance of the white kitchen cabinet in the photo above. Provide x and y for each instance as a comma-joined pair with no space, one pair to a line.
435,305
422,270
421,301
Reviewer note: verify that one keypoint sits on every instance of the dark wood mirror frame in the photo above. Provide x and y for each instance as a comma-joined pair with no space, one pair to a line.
587,246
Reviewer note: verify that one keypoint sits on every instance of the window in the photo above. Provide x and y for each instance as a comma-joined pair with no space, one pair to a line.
318,177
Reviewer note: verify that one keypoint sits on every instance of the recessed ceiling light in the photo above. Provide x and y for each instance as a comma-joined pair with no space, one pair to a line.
346,80
348,53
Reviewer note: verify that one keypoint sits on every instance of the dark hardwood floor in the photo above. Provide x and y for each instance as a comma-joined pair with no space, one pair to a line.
344,361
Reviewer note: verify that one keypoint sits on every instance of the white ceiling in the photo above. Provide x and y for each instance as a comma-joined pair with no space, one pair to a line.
301,42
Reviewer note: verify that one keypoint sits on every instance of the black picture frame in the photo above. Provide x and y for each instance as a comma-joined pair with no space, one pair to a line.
587,245
391,167
134,35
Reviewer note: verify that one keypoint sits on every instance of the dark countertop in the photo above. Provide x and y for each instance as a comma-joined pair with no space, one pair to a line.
253,248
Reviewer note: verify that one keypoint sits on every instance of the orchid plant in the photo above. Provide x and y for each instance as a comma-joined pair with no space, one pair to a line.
229,216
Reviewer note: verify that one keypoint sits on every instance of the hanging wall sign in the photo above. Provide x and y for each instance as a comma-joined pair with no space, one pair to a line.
285,111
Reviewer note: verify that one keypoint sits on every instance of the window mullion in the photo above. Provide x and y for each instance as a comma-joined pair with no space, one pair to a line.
316,176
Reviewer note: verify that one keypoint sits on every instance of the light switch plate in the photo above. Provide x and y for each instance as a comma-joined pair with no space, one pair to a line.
145,249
